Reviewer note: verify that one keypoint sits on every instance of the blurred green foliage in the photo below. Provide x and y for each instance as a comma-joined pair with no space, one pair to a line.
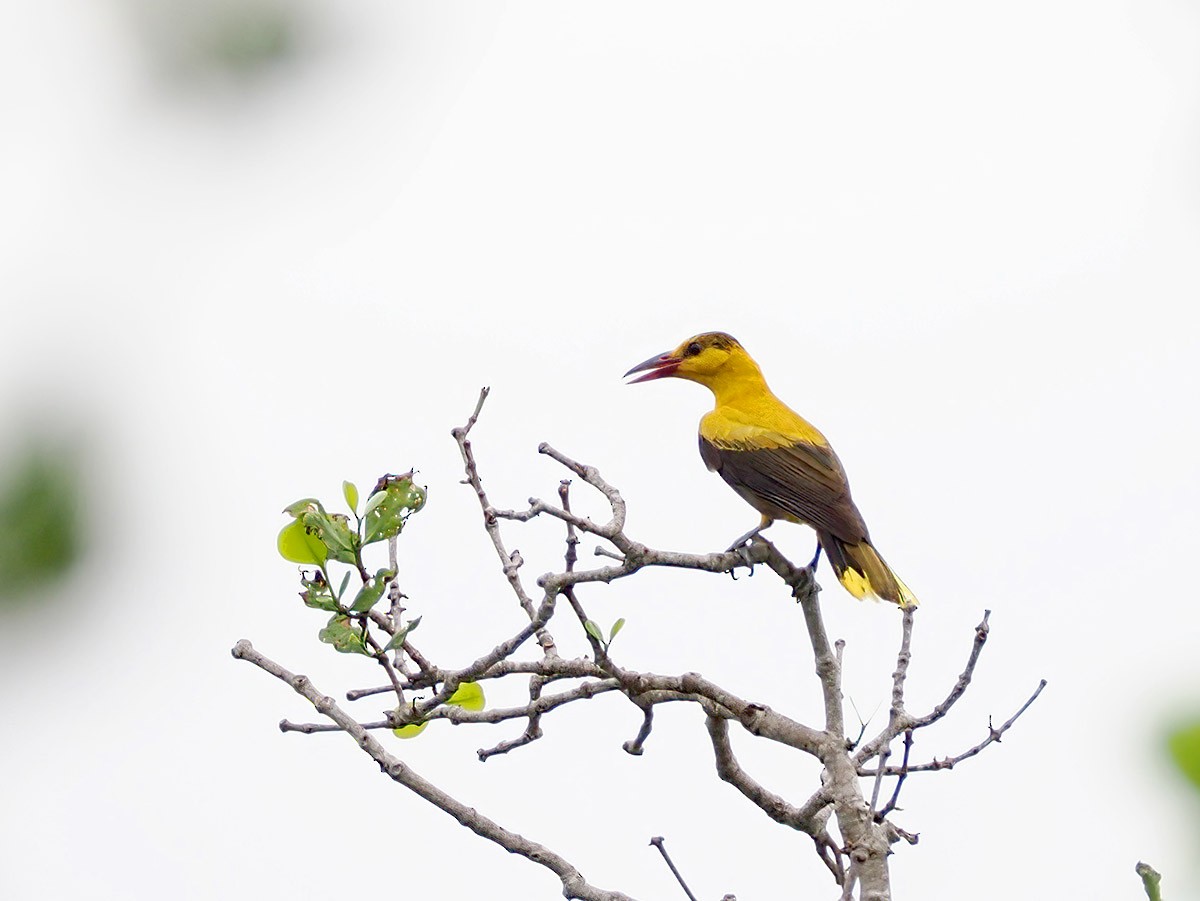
1183,744
40,519
236,39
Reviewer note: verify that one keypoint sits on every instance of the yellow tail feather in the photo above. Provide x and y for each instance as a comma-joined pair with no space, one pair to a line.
864,573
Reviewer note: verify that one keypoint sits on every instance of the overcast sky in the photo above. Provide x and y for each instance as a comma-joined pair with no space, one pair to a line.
962,240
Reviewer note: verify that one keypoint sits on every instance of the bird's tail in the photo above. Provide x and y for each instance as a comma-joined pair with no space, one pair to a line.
864,573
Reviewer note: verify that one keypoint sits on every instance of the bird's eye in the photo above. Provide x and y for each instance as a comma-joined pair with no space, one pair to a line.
693,349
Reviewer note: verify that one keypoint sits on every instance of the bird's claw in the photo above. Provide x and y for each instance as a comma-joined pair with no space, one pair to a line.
743,550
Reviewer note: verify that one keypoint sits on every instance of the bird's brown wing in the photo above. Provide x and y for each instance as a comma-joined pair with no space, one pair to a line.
802,480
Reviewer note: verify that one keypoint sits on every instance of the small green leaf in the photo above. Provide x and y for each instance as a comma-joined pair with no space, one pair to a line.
306,505
401,635
296,544
344,635
350,493
412,730
368,596
593,630
616,627
468,695
1184,745
316,594
374,501
342,588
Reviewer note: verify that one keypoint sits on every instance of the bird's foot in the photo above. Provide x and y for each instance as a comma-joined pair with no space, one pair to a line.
742,543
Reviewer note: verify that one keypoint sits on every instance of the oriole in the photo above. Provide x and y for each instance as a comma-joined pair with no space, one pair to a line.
777,461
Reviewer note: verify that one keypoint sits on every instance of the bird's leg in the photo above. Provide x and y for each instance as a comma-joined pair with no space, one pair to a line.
753,533
816,558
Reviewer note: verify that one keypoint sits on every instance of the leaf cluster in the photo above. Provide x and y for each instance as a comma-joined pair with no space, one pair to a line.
317,537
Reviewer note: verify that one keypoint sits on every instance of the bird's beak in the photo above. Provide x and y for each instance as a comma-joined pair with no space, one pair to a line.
657,367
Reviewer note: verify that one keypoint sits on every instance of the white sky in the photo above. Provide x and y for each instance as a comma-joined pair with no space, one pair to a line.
961,241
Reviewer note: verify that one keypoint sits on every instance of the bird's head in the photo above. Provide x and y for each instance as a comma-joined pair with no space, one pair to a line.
709,359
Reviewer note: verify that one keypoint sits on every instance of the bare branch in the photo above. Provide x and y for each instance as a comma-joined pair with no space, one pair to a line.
573,883
902,660
949,762
802,819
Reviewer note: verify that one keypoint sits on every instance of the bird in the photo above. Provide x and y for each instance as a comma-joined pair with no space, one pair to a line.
777,461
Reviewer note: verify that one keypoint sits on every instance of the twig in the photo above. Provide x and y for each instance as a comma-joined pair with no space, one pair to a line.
381,656
533,731
549,670
964,679
657,841
574,885
1150,880
950,762
880,769
637,745
881,815
508,561
894,799
850,882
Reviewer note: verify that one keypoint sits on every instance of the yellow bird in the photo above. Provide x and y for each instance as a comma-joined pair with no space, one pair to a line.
778,462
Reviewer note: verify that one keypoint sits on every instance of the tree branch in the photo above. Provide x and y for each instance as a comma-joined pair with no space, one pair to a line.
573,883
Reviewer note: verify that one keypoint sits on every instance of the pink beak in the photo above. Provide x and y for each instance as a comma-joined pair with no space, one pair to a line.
657,367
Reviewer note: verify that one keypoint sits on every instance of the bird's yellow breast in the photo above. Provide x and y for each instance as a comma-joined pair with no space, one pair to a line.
757,422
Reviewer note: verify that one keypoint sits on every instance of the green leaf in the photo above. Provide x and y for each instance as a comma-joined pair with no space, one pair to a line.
368,596
316,594
616,627
402,635
386,515
350,493
593,630
303,506
342,588
1184,746
344,635
468,695
412,730
374,501
335,533
296,544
